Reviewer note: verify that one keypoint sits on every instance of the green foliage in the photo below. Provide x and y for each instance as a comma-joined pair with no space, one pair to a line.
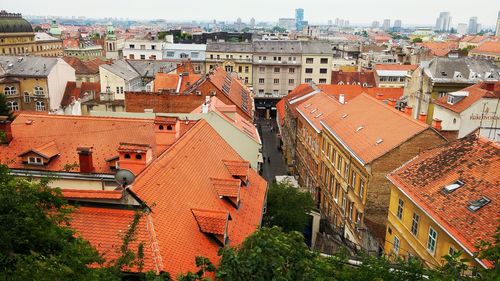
204,266
278,29
38,28
491,252
4,109
270,254
288,207
417,40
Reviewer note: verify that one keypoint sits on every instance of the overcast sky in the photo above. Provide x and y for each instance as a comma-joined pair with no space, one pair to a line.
316,11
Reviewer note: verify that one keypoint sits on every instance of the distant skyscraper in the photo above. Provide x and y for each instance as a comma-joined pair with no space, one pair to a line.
299,19
443,22
330,22
473,25
252,22
497,33
387,24
346,23
462,28
336,21
341,22
397,25
375,24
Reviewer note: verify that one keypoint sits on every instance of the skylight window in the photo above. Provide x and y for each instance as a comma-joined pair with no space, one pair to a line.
359,128
379,141
453,186
318,115
344,116
478,204
314,110
307,105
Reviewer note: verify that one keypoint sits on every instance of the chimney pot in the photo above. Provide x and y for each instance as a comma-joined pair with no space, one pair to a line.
342,98
392,102
380,96
422,117
85,159
436,124
409,110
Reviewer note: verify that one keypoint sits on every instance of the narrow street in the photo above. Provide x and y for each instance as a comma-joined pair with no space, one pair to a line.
276,165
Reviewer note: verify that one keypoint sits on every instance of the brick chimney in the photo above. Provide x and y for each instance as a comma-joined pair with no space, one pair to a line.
409,111
392,102
167,131
422,117
436,124
134,157
85,159
380,96
5,130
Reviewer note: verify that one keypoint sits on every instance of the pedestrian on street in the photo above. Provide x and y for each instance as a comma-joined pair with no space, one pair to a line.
268,159
264,159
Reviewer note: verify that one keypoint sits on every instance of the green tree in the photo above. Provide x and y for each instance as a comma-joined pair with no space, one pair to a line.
288,207
417,40
205,266
4,109
278,29
490,251
270,254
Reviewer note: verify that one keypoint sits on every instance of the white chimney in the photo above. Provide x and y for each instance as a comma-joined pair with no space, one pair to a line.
342,98
204,108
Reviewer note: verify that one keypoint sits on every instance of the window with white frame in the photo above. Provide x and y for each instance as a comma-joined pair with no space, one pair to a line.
39,91
414,224
40,106
432,240
27,97
361,189
13,105
10,90
401,204
395,246
35,160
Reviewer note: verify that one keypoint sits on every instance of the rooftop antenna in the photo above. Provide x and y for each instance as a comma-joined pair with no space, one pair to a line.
124,177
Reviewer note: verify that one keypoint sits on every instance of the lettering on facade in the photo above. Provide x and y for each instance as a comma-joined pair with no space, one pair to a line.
484,117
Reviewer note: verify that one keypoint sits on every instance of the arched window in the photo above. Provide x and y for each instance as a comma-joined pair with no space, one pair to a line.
127,156
40,106
39,91
138,156
27,97
10,90
161,127
169,127
13,105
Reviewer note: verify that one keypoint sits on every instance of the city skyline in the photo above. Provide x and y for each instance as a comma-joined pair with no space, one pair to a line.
422,13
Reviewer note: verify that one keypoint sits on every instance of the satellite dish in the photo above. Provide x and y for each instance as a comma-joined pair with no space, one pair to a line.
124,177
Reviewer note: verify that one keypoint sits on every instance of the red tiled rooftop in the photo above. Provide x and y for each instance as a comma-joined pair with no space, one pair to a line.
47,150
397,67
170,81
352,91
105,228
317,108
92,194
354,77
473,160
104,134
489,47
475,93
227,187
180,180
383,127
214,222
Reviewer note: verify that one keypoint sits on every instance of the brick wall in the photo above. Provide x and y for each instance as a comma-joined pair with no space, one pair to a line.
378,192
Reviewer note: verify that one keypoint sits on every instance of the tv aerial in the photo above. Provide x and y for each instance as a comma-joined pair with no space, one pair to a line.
124,177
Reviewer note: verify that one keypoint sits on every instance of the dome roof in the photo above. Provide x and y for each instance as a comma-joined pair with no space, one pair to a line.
12,23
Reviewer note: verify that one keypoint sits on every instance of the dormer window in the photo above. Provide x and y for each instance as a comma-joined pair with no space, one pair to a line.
238,169
457,74
126,156
213,223
35,161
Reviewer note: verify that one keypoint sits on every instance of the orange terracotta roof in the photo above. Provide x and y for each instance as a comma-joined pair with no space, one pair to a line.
352,91
472,160
280,108
370,128
473,38
227,187
354,77
317,108
229,113
84,67
47,150
440,49
104,228
214,222
294,96
489,47
476,92
184,172
72,92
92,194
237,168
403,67
233,89
133,147
104,134
170,81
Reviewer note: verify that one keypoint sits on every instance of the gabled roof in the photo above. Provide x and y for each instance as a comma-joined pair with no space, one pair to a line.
179,181
213,222
352,91
475,93
69,132
237,168
476,163
297,96
122,69
47,150
383,127
233,89
28,66
170,81
227,187
84,67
